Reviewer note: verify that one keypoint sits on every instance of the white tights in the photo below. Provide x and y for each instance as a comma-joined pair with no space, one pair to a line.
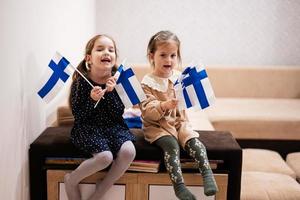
98,162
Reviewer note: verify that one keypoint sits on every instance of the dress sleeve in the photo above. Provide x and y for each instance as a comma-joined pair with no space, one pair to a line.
81,102
151,107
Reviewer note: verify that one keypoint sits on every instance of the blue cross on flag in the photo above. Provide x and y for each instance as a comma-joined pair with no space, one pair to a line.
194,89
60,69
128,87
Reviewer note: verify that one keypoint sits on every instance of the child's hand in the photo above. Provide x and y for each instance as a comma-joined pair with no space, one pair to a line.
169,105
110,84
97,93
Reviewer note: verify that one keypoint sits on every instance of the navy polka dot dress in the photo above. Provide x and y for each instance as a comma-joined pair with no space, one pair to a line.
101,128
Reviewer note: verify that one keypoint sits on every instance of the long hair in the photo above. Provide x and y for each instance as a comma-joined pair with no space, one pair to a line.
83,66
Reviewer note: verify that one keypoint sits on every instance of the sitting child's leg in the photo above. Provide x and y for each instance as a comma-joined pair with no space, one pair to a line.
124,157
98,162
171,150
197,150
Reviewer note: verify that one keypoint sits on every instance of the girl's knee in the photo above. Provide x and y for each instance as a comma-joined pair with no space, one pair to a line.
195,142
127,150
168,143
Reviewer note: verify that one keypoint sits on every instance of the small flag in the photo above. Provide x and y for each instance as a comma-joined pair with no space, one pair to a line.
60,69
194,89
128,87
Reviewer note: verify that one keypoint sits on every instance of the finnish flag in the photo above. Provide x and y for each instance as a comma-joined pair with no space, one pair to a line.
57,74
128,87
193,88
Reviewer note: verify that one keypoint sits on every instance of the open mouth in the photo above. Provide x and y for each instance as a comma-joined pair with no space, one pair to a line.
167,66
106,60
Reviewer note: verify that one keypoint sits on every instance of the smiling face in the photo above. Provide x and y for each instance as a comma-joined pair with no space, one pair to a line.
165,59
103,55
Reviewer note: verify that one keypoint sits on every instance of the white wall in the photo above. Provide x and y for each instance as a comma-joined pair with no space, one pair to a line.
31,31
227,32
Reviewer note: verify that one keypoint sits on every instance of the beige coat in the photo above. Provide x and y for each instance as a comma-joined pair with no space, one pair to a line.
156,122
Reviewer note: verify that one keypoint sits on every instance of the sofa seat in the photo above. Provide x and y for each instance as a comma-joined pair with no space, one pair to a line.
269,186
259,118
262,160
293,160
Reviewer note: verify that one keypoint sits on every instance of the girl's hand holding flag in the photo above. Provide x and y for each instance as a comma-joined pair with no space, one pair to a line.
97,93
126,85
111,83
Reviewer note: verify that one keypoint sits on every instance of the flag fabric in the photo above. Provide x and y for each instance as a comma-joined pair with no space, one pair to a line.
60,70
193,88
128,87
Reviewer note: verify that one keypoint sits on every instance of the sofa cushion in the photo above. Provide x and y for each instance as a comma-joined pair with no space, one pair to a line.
64,116
255,81
268,186
199,120
248,118
265,161
141,70
293,160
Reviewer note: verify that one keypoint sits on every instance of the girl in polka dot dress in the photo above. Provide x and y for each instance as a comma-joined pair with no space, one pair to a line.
99,131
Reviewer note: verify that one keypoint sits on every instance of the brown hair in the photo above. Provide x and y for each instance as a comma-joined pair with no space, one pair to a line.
162,37
82,66
88,50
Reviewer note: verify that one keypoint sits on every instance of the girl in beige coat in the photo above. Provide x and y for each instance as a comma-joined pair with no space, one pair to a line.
163,124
